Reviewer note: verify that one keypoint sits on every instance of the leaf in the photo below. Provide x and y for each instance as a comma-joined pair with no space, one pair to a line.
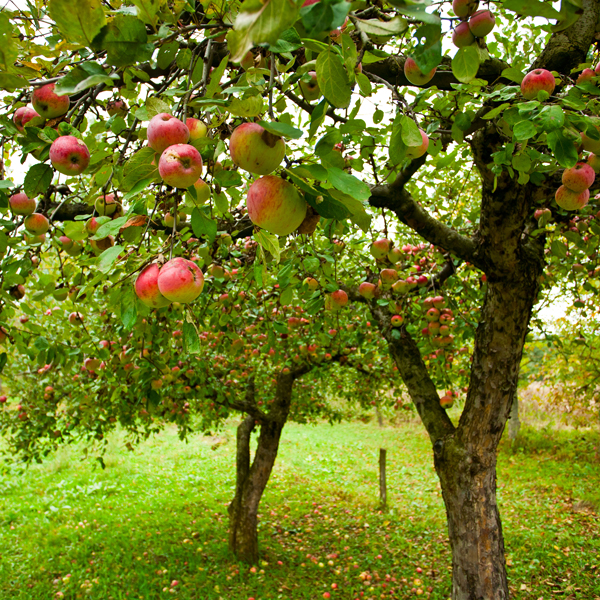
282,129
125,41
558,249
358,212
3,361
79,21
524,130
383,28
128,307
269,241
320,17
191,338
203,225
411,134
288,41
349,184
428,54
260,22
563,148
75,230
166,54
465,64
350,54
329,207
333,79
551,117
38,179
364,85
397,146
247,107
112,227
156,106
78,79
214,84
139,167
9,50
531,8
108,257
147,10
513,74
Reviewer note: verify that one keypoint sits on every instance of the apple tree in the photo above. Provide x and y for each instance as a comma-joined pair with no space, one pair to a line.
419,159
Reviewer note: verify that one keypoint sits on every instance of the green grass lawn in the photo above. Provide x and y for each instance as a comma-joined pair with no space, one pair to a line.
154,523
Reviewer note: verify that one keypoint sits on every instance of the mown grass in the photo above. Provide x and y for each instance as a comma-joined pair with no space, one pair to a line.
153,524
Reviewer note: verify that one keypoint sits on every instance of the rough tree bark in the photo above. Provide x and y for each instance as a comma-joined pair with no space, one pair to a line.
251,479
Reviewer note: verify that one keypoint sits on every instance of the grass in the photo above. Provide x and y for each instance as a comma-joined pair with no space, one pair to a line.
153,524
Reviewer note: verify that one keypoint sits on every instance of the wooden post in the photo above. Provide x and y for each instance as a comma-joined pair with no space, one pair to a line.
382,482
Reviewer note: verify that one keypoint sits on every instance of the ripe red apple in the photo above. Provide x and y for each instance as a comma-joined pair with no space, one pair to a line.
20,204
380,248
397,320
336,300
388,277
275,205
578,178
310,89
106,205
569,200
256,150
367,290
462,35
91,364
146,287
165,130
116,107
417,151
481,23
196,128
36,224
433,314
47,103
23,115
446,401
180,165
76,318
180,280
585,76
464,8
536,81
69,155
414,74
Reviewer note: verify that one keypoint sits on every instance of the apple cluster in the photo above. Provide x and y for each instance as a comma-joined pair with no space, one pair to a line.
474,23
440,320
574,193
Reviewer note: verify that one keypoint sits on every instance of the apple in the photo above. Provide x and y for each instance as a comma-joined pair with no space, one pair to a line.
35,239
20,204
536,81
17,291
401,287
395,255
433,314
47,103
180,165
380,248
91,364
579,178
388,277
585,76
106,205
180,280
23,115
464,8
367,290
196,128
311,283
336,300
36,223
418,151
397,320
594,162
570,200
414,74
256,150
462,35
60,293
310,89
76,318
439,302
202,191
99,246
481,23
165,130
446,401
116,107
3,334
590,144
146,287
69,155
275,205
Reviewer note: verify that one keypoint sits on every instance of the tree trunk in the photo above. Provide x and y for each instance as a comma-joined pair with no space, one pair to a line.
514,423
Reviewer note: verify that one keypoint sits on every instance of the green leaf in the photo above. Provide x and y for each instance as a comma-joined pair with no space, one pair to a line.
563,148
214,84
166,54
416,10
246,107
551,117
428,54
322,17
317,117
128,307
203,225
524,130
125,41
531,8
38,179
139,167
9,50
383,28
329,207
558,249
112,227
260,22
513,74
78,79
333,79
282,129
80,21
269,241
397,146
350,54
191,338
108,257
156,106
364,85
348,184
358,212
288,41
75,230
465,64
3,361
411,134
147,10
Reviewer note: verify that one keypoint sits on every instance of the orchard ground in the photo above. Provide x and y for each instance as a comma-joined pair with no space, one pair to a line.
153,523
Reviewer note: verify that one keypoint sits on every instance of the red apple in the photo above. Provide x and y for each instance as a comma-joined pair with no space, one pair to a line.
569,200
585,76
397,320
196,128
380,248
165,130
388,277
367,290
462,36
146,287
20,204
275,205
536,81
180,280
417,151
69,155
47,103
106,205
464,8
310,89
336,300
256,150
23,115
446,401
36,224
116,107
76,318
481,23
414,74
180,165
578,178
